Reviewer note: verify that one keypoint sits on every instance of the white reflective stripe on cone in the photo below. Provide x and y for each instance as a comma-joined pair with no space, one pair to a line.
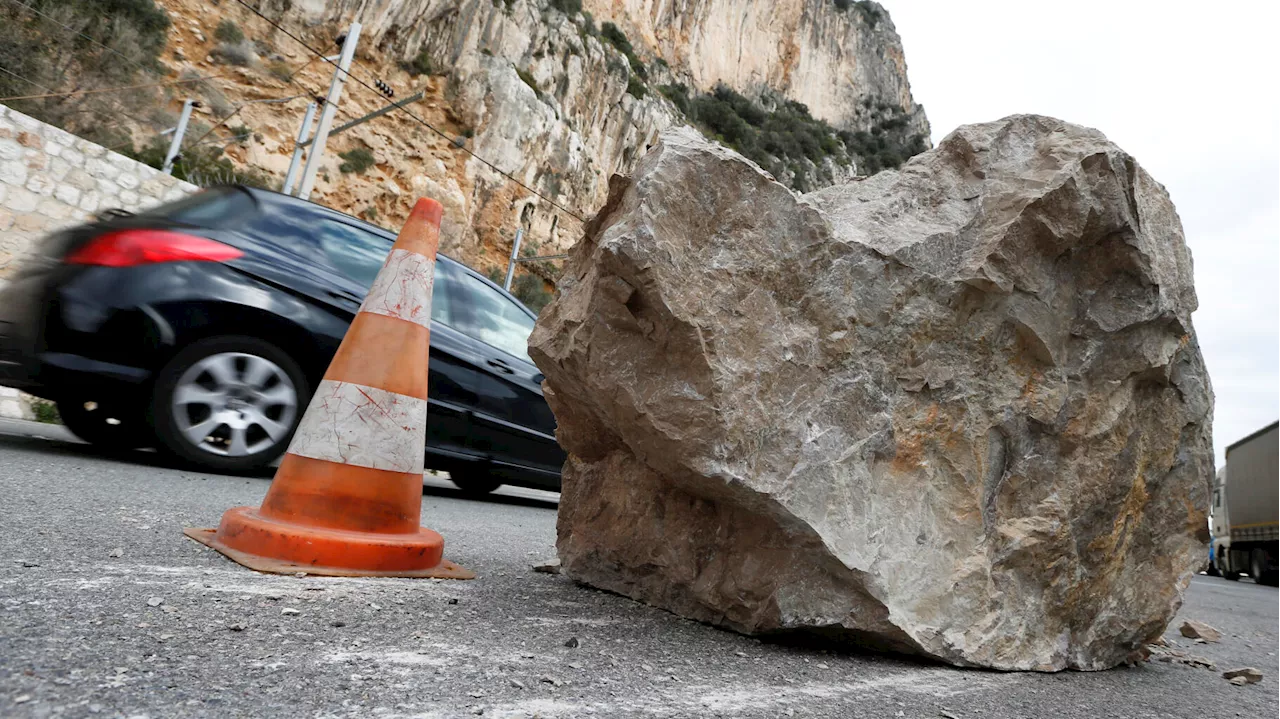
402,288
363,426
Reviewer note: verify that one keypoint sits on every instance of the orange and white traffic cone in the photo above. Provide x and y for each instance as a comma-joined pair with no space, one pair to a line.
347,498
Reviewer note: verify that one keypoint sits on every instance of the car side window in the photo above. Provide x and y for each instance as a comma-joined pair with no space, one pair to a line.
358,254
443,290
493,318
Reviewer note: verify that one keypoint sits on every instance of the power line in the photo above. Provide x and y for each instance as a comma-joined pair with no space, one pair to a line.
108,48
53,94
69,93
243,105
411,114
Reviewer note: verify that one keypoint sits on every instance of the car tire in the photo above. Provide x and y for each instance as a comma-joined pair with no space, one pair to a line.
229,404
92,422
476,484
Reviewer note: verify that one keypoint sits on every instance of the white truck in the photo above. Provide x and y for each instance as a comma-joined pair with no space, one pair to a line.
1243,516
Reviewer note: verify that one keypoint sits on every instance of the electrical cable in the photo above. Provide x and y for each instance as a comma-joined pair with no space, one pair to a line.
411,114
69,93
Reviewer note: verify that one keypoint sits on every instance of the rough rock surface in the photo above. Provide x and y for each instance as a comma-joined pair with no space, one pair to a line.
956,410
1199,630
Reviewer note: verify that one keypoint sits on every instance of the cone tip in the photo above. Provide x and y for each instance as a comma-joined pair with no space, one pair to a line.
427,210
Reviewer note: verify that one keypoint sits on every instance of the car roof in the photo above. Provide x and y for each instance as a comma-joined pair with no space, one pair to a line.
278,198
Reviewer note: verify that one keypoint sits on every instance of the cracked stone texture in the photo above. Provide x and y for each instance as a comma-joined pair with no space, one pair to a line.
956,410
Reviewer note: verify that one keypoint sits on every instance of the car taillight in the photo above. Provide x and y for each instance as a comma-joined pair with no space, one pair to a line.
126,248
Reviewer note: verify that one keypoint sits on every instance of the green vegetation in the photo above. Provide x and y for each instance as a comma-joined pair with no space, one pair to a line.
358,161
205,165
635,88
589,24
46,411
420,65
531,290
241,134
50,56
280,70
228,32
678,94
871,13
789,142
568,7
240,54
618,39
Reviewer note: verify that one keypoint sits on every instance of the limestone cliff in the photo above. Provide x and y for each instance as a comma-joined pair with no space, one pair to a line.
541,94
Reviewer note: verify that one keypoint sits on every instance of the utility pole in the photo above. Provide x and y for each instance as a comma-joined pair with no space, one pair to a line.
511,264
304,134
175,145
330,107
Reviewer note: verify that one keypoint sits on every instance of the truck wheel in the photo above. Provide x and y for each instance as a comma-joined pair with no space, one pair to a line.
1227,573
1260,568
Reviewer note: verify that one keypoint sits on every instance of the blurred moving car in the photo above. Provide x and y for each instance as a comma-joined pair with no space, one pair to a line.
202,326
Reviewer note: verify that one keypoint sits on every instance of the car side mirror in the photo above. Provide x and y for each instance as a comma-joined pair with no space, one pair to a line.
537,378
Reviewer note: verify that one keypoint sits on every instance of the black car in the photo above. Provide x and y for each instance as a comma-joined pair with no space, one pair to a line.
202,326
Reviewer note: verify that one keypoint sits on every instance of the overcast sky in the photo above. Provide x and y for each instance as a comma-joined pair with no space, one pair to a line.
1190,90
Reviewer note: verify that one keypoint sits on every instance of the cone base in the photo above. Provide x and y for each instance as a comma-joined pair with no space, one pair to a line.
267,545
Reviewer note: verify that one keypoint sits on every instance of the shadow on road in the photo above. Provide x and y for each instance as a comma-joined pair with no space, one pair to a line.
515,496
55,439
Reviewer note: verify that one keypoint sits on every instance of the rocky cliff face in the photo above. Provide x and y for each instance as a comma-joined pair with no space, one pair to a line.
540,94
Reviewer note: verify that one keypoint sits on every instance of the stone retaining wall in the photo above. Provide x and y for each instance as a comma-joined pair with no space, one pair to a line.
50,178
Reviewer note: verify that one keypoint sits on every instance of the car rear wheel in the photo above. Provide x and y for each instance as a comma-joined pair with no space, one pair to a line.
474,483
105,425
228,403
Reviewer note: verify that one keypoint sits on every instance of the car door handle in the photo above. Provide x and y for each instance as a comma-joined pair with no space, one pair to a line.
501,366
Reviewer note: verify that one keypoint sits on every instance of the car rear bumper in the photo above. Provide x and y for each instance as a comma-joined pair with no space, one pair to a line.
45,353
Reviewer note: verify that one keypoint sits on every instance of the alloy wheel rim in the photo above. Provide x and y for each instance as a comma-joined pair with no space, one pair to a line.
234,404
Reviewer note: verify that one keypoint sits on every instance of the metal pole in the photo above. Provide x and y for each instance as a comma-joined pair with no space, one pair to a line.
326,115
176,144
304,134
511,264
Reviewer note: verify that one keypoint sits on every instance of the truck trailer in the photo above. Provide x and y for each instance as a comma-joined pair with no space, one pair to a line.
1243,517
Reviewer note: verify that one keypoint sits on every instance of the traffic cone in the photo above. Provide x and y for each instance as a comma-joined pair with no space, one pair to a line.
347,498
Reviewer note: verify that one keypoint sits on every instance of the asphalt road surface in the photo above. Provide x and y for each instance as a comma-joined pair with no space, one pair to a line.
171,629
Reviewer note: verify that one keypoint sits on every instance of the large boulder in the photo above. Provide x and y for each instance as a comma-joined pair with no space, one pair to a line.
955,410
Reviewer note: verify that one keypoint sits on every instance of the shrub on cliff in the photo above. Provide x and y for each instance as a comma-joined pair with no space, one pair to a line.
789,142
81,45
228,32
568,7
612,35
420,64
358,160
204,165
